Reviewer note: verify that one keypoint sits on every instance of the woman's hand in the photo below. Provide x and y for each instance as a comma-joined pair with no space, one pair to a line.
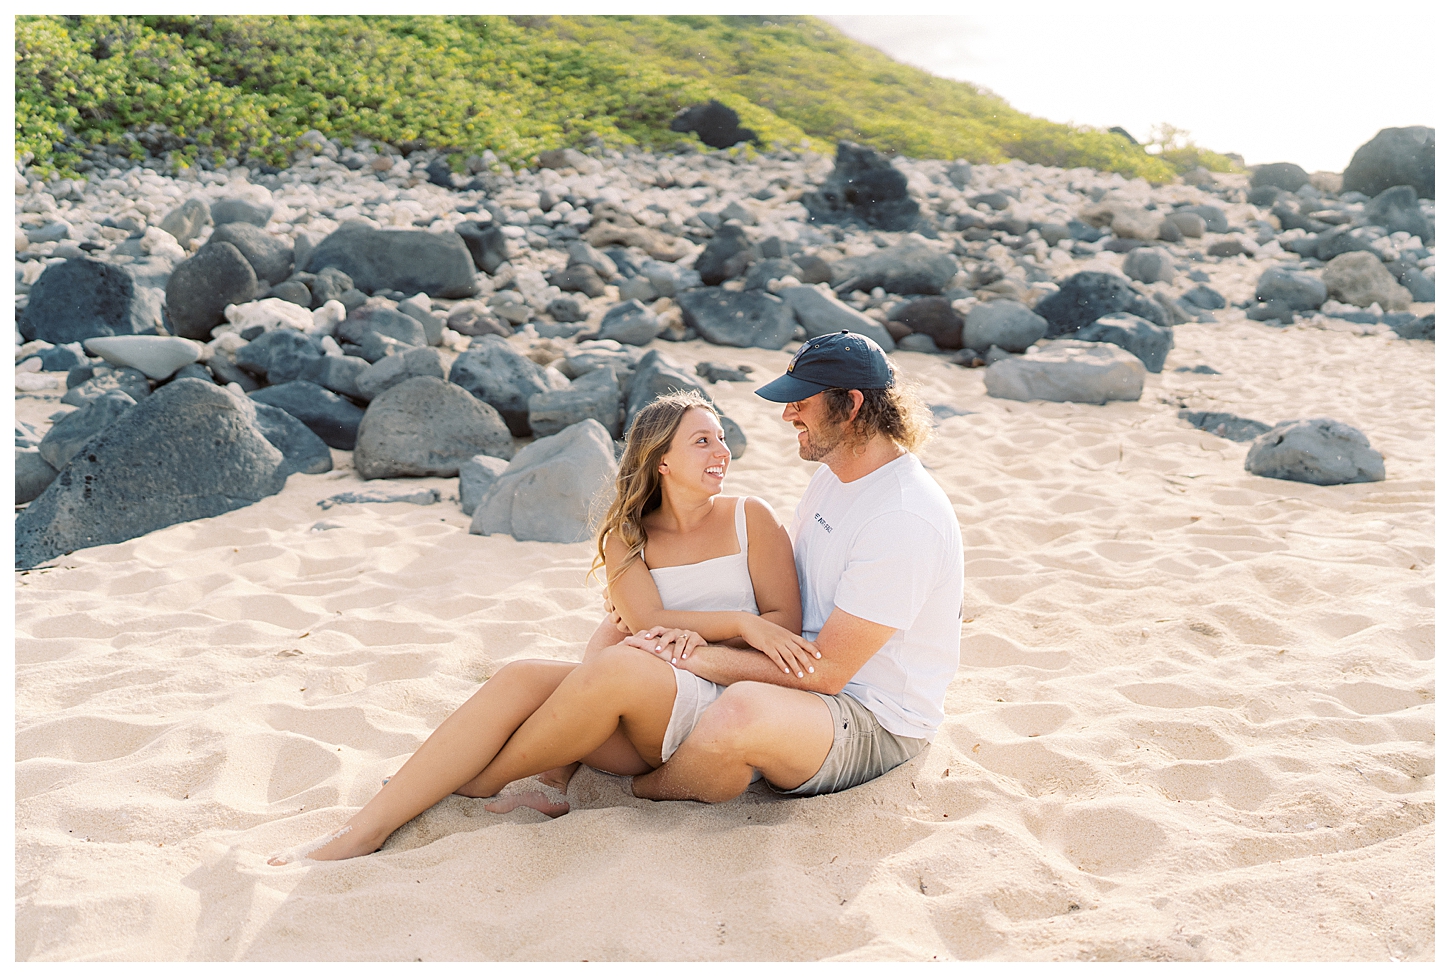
790,652
671,644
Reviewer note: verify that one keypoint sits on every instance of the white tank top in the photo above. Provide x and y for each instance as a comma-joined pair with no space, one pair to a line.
721,584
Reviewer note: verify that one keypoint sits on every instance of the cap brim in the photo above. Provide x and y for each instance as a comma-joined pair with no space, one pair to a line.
787,389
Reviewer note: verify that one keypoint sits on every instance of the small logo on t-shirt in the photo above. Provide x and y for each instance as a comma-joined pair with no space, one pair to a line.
823,522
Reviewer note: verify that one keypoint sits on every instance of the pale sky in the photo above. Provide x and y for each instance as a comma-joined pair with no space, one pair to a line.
1271,80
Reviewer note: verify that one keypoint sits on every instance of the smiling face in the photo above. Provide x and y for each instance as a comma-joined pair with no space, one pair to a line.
698,456
816,433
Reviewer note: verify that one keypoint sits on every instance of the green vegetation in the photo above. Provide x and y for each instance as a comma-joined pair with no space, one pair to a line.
247,87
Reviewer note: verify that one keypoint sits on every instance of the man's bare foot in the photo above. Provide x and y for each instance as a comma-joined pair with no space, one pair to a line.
559,777
534,799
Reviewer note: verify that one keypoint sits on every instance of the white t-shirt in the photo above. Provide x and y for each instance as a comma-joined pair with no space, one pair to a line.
887,548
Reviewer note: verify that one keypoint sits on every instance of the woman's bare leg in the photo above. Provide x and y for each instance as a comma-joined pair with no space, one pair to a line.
617,752
621,689
464,744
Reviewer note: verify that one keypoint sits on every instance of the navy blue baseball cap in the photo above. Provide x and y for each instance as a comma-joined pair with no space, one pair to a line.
843,359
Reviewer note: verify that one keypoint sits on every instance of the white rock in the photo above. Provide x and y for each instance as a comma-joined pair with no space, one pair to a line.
31,382
326,318
269,313
1069,370
159,242
156,356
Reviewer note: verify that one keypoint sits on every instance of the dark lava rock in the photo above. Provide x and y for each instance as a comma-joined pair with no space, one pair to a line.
202,286
280,355
1083,299
1083,231
1215,220
578,278
1394,157
1299,289
302,451
714,263
738,318
82,298
933,317
1148,342
1421,328
1398,209
293,291
62,359
762,272
327,415
440,174
631,323
1318,450
382,321
562,309
717,124
1226,247
864,186
190,451
1340,242
486,244
1229,426
502,377
1277,309
230,210
69,434
1204,297
909,268
270,257
399,260
655,375
1285,176
1407,273
329,284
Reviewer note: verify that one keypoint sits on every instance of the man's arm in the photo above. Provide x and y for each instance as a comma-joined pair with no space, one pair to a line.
846,643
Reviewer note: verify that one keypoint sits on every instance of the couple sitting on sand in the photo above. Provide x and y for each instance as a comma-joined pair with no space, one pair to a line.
817,669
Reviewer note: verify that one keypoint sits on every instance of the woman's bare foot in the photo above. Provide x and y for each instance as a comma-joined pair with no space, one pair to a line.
534,799
559,777
343,843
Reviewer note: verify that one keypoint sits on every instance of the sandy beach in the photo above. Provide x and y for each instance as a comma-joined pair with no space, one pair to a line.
1194,718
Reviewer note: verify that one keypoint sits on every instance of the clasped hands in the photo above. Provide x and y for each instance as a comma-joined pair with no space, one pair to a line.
790,652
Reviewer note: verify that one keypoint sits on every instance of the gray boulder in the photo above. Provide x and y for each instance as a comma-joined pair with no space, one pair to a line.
762,272
302,451
1189,224
279,355
1299,289
579,278
404,261
329,284
505,379
202,286
1318,450
864,187
725,257
591,257
420,308
476,319
1215,221
1008,325
132,382
417,361
821,313
548,490
1406,272
738,318
1224,425
1393,158
1082,300
593,395
32,474
1398,209
1149,265
82,298
655,375
427,426
630,322
1204,297
327,415
487,246
909,268
270,257
1359,278
1285,176
69,434
475,477
589,356
337,373
1068,370
381,321
1343,241
185,223
191,451
239,209
1137,335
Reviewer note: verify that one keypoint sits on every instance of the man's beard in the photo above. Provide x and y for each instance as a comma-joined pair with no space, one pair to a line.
822,441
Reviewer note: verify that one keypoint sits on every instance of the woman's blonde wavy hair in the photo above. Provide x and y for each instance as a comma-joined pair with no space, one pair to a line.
637,485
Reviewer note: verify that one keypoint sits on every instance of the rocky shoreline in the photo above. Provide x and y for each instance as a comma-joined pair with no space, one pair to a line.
507,325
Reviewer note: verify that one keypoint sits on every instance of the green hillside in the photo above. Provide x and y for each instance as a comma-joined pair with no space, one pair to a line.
247,87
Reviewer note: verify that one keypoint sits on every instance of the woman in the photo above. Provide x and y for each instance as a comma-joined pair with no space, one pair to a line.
723,566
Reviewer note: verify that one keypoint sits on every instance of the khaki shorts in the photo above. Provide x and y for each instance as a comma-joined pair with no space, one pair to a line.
861,750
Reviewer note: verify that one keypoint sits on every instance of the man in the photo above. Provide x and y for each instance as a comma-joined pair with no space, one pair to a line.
879,557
